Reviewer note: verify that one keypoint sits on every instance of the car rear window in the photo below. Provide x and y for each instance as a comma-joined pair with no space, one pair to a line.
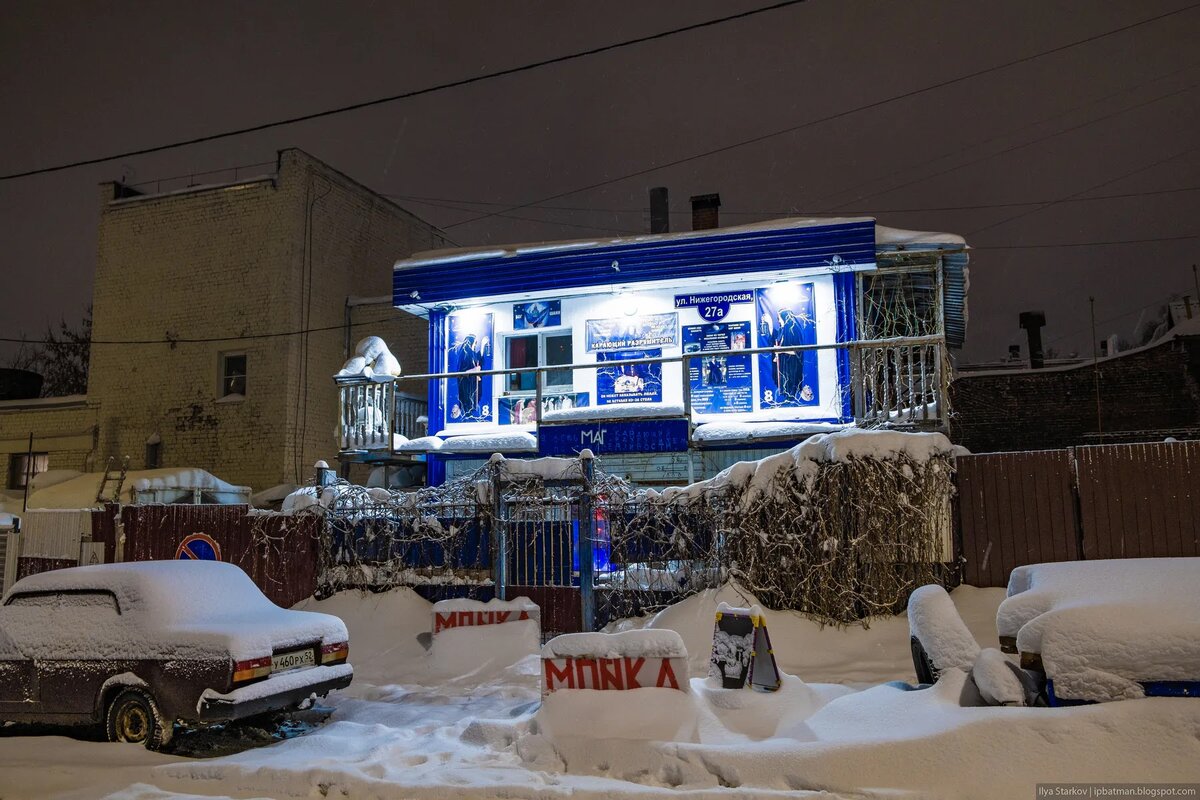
73,599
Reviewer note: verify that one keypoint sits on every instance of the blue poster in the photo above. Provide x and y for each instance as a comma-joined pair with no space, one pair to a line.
628,383
521,410
721,384
786,316
469,399
537,314
633,333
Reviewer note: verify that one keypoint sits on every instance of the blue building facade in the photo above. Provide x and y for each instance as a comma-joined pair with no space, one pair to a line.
671,356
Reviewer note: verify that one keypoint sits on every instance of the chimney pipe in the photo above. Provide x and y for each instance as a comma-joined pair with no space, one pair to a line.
1032,322
660,210
704,211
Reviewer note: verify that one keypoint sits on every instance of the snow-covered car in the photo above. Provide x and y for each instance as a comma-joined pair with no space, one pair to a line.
142,646
1106,630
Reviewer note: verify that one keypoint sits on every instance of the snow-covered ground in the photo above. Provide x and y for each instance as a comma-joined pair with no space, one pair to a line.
838,725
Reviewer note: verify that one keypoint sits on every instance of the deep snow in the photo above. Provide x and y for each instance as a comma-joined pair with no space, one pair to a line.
401,732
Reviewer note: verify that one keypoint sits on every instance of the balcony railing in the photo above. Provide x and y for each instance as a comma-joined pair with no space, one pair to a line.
900,381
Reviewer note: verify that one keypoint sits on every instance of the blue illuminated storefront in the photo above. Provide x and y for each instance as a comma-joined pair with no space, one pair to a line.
624,313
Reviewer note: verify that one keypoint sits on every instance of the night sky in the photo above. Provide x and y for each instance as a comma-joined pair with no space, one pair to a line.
1117,116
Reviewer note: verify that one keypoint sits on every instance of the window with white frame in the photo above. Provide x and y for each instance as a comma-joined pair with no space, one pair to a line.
538,349
233,375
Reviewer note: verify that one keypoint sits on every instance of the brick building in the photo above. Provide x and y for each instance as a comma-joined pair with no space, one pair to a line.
198,297
1146,394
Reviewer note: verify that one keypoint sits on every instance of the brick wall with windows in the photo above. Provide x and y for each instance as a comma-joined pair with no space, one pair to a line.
213,275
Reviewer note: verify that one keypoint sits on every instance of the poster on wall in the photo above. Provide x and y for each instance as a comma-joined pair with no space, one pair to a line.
633,333
469,399
537,314
786,317
720,384
521,410
622,383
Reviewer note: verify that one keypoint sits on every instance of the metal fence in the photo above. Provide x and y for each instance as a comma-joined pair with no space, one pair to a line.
842,543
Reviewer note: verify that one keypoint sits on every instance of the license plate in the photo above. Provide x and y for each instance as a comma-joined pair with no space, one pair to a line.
281,662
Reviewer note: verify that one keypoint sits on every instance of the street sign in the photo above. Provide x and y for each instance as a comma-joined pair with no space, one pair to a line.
198,547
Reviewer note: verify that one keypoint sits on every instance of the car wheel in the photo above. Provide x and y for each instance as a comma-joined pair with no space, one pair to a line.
133,717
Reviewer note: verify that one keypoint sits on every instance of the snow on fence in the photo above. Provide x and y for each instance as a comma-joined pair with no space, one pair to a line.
841,527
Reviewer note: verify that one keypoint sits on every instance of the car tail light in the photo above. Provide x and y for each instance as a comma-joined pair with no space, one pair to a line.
251,669
332,653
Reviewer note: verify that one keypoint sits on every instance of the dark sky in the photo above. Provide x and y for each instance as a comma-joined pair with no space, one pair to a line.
79,80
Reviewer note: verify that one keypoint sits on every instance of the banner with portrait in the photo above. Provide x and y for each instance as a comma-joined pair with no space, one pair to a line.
469,398
786,316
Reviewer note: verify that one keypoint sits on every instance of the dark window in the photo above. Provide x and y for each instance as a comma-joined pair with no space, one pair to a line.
154,455
539,349
23,467
233,374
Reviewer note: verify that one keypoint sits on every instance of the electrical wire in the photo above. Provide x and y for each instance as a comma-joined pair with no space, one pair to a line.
408,95
837,115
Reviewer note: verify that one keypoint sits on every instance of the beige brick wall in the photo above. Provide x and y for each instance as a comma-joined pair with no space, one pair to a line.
264,257
64,428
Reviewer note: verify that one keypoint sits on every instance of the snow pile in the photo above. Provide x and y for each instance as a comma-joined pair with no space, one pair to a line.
638,410
645,643
507,442
154,485
999,681
371,357
480,651
1103,628
934,622
51,477
422,444
750,431
158,614
397,733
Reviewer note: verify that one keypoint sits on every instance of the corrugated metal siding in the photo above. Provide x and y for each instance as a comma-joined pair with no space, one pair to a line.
561,269
54,534
1140,500
955,282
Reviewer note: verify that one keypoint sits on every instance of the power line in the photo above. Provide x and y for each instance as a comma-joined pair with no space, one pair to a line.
837,115
424,202
408,95
1014,148
437,201
1181,238
176,340
1084,191
1018,129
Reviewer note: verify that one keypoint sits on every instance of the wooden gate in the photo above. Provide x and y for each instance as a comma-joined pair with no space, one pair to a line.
1101,501
1014,509
1139,500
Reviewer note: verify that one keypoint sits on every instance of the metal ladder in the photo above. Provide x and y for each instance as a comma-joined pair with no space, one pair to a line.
109,477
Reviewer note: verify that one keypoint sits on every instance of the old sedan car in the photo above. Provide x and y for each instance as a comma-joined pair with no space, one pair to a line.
142,646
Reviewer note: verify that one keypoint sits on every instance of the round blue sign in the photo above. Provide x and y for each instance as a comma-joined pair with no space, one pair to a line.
713,311
198,547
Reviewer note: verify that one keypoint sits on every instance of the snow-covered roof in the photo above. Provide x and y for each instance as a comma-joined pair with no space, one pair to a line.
80,491
454,254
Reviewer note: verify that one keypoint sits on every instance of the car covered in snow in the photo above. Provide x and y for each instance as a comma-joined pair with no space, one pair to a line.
1108,629
141,646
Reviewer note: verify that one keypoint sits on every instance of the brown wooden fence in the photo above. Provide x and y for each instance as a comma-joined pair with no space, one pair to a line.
280,553
1103,501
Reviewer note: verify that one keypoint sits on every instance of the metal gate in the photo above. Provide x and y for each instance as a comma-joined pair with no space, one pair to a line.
542,539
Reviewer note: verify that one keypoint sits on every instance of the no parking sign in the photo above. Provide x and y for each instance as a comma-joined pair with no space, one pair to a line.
198,547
